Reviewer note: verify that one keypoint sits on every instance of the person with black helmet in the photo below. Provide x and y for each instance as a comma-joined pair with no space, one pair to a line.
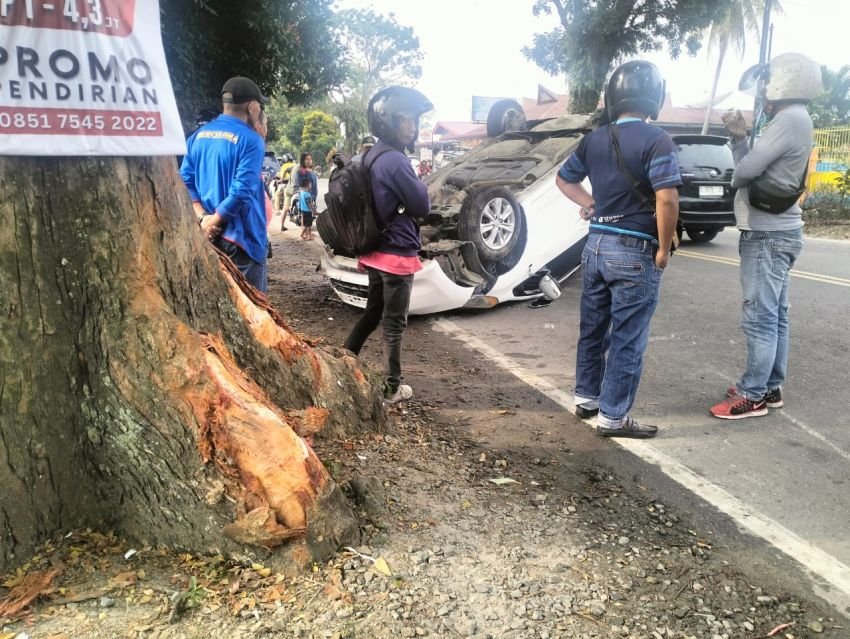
634,172
401,202
365,144
770,178
221,169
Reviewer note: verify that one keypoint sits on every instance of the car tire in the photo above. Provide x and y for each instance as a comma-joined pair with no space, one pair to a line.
701,236
504,116
492,220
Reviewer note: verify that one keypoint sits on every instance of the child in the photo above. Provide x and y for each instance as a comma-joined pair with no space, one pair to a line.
307,206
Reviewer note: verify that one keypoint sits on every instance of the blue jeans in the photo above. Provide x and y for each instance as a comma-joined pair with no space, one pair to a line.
620,292
766,261
254,272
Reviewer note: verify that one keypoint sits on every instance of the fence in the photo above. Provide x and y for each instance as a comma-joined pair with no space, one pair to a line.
830,157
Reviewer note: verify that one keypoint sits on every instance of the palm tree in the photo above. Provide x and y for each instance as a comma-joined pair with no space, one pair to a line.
832,106
731,29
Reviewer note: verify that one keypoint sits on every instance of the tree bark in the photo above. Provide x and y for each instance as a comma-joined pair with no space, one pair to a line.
144,387
584,100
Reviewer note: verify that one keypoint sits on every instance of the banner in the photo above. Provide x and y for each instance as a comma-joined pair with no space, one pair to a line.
85,77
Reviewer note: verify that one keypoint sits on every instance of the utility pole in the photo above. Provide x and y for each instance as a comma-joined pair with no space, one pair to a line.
758,107
765,30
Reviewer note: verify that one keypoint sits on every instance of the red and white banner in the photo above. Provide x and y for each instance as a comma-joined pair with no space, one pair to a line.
85,77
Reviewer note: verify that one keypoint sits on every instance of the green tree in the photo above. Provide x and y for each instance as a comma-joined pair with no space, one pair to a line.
320,134
379,52
288,126
729,30
593,34
832,107
289,48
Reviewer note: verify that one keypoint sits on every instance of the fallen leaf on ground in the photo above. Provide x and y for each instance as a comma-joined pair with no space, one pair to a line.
31,588
123,579
382,567
503,481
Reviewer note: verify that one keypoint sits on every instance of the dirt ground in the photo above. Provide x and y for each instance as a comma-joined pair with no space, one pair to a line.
487,512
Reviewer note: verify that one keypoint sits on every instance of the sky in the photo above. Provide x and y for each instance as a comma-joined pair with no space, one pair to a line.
473,47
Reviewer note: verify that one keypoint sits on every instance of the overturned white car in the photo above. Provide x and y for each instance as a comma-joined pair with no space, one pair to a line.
498,225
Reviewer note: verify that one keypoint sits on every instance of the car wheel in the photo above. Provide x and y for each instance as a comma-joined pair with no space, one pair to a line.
701,236
492,220
504,116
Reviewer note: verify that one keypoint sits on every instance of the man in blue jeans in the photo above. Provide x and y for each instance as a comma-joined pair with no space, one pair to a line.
221,170
634,172
770,243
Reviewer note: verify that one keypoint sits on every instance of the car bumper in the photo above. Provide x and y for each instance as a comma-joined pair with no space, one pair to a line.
433,291
707,219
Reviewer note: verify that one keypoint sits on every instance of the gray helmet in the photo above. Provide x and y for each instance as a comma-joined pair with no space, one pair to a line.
793,76
388,104
635,86
789,77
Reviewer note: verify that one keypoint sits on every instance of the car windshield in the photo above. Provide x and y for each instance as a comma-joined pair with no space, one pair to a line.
716,156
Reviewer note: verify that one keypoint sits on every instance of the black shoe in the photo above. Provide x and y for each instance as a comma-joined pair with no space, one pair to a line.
773,398
586,413
629,427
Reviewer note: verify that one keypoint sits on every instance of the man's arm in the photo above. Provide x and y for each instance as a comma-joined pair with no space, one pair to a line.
666,216
576,192
411,191
187,173
569,181
767,149
245,185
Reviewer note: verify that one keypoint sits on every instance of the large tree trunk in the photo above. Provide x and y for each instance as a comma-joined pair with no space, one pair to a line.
583,100
142,388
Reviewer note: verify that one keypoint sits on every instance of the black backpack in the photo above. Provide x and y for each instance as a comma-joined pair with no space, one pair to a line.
350,225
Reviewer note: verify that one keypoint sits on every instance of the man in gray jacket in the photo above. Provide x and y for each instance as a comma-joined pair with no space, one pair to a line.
770,242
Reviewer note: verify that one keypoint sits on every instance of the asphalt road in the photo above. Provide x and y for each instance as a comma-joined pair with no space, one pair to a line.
784,477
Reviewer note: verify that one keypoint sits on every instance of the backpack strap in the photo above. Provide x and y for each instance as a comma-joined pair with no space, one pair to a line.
369,176
643,191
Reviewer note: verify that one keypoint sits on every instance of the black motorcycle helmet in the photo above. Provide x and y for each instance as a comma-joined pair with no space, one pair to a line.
388,104
635,86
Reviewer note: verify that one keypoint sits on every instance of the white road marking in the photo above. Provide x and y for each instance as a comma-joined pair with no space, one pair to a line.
799,424
813,433
804,275
830,577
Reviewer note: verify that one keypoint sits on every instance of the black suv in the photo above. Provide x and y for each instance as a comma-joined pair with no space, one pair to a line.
706,195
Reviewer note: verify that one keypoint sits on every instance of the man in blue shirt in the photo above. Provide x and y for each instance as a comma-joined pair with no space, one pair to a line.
634,172
222,169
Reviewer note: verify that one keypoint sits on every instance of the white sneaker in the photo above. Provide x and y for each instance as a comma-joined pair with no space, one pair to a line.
402,393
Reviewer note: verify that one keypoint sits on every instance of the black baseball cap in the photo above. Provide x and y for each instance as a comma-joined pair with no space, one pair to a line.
239,90
368,141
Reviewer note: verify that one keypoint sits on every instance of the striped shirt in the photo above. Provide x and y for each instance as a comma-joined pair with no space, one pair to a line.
651,157
781,155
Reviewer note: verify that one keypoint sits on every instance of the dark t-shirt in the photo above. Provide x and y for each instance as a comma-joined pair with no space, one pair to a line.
650,155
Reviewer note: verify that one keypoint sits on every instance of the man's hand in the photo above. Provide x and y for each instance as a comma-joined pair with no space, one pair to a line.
211,226
661,258
587,212
735,124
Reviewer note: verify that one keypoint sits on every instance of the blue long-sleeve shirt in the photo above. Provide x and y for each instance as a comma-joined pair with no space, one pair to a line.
222,169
